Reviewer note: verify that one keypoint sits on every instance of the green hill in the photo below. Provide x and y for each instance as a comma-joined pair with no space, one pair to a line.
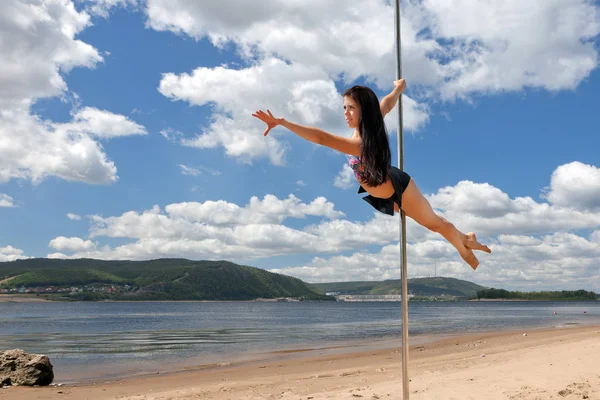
418,286
162,279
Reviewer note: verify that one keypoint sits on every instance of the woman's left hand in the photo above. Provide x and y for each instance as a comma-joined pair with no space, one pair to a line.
268,119
400,86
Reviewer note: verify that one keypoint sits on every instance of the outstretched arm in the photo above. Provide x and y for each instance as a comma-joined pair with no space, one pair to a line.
315,135
388,102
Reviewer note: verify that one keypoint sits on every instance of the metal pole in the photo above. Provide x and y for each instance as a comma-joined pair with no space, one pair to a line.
402,217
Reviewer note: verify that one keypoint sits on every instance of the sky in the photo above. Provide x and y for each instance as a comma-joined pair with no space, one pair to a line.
126,133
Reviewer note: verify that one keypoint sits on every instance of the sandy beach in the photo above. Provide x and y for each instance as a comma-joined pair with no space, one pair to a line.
20,298
543,364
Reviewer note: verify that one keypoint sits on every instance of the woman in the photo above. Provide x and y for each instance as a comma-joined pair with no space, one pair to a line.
369,155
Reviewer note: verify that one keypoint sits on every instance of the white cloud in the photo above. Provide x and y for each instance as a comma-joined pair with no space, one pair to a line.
533,244
73,217
38,152
455,49
60,256
171,134
76,244
6,200
185,170
10,253
294,31
101,123
509,45
557,261
415,115
39,45
197,170
229,91
345,178
575,185
449,52
102,7
299,93
480,199
482,208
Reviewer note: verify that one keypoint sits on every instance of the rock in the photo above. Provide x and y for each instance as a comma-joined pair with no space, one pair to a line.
20,368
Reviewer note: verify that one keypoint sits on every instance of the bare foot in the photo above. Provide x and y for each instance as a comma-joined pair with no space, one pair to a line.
470,258
470,242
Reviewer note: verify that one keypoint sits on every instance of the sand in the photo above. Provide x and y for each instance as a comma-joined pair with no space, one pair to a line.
562,363
21,298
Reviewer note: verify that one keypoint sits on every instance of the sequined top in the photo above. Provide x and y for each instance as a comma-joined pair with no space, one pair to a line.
356,164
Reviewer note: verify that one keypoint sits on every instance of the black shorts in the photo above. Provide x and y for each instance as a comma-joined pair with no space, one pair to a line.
400,181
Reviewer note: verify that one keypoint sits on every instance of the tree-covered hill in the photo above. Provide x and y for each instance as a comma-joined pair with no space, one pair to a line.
438,286
161,279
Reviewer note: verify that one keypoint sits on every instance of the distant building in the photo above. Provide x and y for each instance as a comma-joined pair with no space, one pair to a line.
371,297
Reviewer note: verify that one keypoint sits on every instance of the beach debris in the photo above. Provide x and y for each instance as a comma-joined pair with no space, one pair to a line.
350,373
20,368
525,334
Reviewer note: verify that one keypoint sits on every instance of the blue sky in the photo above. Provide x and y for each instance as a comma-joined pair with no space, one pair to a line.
125,133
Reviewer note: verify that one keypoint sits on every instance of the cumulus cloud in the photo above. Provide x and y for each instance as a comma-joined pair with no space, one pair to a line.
556,261
345,178
533,242
6,200
479,199
575,185
297,52
40,46
294,91
506,46
101,123
36,151
76,244
455,49
73,217
10,253
304,94
482,208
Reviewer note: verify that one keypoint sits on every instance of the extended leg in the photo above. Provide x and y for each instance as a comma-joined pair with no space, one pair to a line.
418,208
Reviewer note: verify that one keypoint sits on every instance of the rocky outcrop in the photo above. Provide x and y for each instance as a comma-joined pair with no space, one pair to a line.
20,368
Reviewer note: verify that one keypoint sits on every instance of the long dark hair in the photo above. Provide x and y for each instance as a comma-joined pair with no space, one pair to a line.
375,147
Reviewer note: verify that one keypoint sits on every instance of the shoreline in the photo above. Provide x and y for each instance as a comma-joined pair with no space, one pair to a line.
491,365
29,298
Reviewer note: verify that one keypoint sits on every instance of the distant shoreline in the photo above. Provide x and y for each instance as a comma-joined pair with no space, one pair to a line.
28,298
505,300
